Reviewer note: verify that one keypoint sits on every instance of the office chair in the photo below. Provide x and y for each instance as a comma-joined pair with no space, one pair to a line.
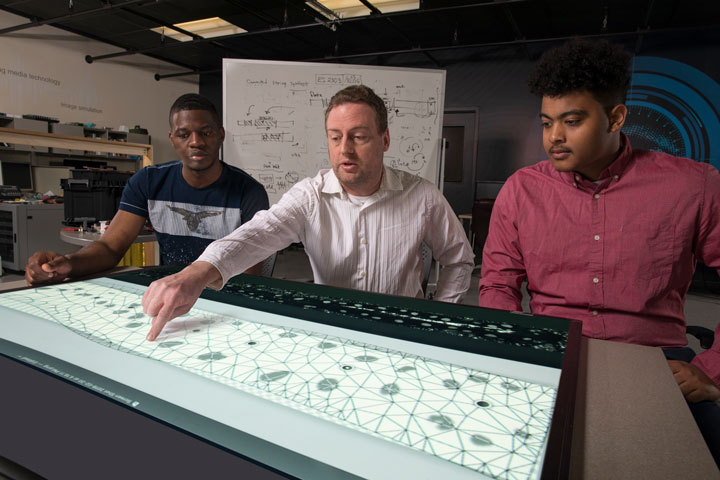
480,223
268,265
427,264
704,335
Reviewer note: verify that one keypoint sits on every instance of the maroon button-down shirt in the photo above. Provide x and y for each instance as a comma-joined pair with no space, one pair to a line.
617,254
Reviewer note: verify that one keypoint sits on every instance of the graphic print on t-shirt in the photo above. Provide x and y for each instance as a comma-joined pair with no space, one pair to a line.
193,218
186,219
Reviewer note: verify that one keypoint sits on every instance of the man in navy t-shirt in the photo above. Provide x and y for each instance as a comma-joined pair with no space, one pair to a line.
189,203
187,219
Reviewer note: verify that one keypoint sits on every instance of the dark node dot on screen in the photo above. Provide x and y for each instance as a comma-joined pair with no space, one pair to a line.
252,343
347,367
482,403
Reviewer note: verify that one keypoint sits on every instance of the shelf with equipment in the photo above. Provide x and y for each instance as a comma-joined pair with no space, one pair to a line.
76,143
143,152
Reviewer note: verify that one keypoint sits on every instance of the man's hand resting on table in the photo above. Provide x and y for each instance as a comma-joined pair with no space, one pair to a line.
47,267
693,382
175,295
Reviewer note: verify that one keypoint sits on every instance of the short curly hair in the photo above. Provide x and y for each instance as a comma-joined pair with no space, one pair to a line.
193,101
598,67
361,94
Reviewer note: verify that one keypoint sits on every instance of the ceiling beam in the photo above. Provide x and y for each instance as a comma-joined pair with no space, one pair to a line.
645,26
517,42
524,41
290,28
107,7
374,11
516,28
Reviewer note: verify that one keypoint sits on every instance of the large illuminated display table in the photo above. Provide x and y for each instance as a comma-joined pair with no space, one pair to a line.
310,381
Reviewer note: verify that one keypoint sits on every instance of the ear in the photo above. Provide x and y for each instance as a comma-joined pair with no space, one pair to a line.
386,140
222,134
617,117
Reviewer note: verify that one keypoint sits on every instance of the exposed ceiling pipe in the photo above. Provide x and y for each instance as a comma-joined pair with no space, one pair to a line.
159,77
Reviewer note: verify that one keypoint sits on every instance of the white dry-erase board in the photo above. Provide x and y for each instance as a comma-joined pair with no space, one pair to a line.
274,117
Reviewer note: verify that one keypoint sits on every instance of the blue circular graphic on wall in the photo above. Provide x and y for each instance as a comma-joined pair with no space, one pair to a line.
674,108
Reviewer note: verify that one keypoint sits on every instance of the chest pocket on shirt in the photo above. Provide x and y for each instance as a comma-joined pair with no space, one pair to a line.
647,254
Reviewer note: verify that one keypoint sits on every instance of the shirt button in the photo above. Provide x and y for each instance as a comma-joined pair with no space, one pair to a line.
594,312
363,241
577,177
597,195
596,280
574,184
362,274
597,237
617,177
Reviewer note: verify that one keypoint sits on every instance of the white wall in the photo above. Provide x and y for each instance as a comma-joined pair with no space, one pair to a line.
43,71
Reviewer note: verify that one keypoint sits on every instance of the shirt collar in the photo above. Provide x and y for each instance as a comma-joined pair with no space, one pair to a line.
615,169
390,181
331,183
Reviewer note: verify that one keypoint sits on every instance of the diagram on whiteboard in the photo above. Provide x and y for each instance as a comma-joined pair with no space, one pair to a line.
493,424
275,117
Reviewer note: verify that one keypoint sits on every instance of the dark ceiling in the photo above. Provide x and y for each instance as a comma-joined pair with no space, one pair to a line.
440,33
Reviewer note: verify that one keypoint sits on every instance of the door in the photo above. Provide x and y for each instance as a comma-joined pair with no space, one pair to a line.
459,130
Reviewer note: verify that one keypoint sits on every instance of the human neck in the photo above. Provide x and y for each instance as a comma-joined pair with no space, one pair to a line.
202,178
362,190
594,171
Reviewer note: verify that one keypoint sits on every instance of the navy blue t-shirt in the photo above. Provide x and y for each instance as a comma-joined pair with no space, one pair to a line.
188,219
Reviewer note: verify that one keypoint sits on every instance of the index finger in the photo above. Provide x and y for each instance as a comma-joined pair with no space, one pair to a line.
159,322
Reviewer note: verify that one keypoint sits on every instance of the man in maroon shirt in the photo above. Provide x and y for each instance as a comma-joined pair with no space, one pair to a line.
603,233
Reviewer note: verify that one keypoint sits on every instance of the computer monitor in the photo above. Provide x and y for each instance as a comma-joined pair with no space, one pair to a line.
17,174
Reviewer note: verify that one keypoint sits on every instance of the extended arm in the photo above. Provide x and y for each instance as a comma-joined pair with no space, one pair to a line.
104,254
269,231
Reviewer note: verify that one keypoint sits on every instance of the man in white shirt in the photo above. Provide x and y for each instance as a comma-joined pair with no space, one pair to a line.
362,223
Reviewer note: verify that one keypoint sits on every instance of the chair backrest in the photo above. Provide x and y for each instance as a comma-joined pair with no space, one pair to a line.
427,263
480,223
269,265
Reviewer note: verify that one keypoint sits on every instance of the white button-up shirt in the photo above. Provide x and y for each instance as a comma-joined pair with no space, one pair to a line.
375,245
